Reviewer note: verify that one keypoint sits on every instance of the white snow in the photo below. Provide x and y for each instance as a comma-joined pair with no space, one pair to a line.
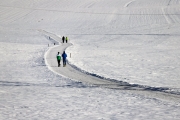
132,41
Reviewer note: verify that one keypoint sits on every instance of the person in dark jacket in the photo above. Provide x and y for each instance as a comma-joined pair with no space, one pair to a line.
63,39
64,56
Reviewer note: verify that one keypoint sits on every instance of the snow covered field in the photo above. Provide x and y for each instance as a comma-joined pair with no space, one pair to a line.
139,42
132,41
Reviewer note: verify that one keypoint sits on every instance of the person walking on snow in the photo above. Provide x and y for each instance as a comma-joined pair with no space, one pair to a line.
64,55
58,56
66,39
63,39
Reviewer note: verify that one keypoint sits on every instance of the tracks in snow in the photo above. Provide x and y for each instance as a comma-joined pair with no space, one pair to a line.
127,4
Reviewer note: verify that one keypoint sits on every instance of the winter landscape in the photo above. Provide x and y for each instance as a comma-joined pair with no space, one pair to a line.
123,60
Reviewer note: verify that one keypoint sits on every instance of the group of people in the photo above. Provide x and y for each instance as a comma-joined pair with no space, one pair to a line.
64,39
64,55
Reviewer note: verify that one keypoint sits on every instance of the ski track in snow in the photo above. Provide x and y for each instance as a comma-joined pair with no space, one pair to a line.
166,16
127,4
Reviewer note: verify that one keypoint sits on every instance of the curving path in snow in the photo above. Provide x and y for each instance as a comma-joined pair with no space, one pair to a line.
75,74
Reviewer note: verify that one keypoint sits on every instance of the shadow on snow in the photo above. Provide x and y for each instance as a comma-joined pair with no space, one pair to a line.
72,84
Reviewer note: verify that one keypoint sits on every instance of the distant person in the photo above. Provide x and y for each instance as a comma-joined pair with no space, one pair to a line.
63,39
58,59
64,55
66,39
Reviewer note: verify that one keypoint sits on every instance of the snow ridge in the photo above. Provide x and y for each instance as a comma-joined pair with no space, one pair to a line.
128,86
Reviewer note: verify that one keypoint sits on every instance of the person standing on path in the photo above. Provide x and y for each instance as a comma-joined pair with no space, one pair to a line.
58,59
66,39
64,55
63,39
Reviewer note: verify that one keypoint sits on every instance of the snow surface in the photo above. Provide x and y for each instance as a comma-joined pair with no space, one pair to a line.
132,41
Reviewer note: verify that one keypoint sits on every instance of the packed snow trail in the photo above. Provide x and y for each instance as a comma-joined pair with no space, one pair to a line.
68,71
77,75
